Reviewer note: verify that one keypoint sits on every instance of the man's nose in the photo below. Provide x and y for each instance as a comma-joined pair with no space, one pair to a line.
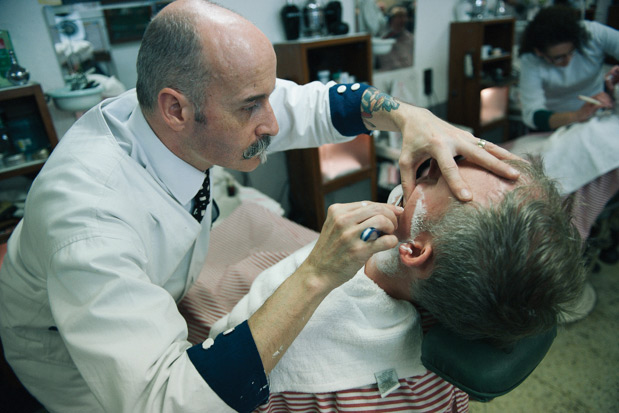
269,126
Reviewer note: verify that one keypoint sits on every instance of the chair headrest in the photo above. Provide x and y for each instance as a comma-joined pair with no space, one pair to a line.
478,368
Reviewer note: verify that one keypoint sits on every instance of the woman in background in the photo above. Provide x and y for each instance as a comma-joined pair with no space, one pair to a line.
562,58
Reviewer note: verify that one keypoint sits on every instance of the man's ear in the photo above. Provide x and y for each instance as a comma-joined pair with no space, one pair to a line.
417,253
175,108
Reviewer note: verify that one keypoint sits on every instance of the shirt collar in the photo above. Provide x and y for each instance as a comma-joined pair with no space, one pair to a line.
181,179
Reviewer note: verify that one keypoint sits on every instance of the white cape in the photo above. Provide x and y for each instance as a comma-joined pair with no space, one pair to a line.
577,154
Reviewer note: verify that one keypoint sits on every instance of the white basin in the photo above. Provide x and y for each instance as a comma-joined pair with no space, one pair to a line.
76,100
381,46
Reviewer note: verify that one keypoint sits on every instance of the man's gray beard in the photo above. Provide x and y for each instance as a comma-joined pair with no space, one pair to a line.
258,148
388,262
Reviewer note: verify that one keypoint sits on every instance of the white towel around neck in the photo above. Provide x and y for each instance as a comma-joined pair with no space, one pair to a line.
358,330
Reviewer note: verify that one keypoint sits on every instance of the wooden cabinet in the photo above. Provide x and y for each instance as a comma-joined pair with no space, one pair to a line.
480,75
32,136
27,118
321,176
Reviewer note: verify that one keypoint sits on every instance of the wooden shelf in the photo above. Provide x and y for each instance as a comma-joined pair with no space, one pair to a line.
469,73
27,115
310,170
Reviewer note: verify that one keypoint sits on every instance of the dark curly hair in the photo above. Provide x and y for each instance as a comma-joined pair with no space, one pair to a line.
552,26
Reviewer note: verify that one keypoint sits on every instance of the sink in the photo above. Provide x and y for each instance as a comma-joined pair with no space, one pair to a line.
76,100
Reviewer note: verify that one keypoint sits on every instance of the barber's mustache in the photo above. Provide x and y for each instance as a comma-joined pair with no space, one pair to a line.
257,148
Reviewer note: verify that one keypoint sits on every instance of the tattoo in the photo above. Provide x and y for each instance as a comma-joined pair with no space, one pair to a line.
374,100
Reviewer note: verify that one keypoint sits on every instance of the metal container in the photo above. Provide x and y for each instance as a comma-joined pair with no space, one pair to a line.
314,18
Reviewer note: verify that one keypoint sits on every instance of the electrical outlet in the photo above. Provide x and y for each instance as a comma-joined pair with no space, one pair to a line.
427,82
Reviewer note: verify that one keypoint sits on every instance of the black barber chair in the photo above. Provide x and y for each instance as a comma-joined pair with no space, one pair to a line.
478,368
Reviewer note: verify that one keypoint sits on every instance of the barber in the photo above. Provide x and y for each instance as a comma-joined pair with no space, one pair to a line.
112,236
562,58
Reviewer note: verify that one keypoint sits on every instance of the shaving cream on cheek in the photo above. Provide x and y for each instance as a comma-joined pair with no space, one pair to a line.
419,216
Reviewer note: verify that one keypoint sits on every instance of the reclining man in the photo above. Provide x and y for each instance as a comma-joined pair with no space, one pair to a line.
500,268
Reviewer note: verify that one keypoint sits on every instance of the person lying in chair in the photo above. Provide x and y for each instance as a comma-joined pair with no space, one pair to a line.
497,270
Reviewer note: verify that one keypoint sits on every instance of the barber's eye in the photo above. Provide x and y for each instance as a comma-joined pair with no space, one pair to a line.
252,107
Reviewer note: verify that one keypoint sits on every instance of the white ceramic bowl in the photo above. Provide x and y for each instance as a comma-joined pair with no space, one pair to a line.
76,100
381,46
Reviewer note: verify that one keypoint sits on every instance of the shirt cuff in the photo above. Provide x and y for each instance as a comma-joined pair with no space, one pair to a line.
541,120
345,104
231,366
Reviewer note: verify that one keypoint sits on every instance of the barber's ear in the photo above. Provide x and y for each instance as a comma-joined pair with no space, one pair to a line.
417,253
175,108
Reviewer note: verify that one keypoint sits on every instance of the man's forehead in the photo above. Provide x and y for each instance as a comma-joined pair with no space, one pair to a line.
239,92
487,186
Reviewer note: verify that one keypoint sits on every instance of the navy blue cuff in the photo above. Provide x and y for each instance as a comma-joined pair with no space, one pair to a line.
232,368
541,119
345,103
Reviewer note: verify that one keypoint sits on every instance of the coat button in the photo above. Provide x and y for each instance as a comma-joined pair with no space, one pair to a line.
341,89
355,86
208,343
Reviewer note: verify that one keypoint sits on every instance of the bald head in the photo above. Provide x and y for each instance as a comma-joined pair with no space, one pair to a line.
191,43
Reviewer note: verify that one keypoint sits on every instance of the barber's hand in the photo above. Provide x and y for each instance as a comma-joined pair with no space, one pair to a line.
612,78
587,110
340,251
426,136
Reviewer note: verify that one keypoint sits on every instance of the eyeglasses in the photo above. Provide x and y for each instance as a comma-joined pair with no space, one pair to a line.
562,58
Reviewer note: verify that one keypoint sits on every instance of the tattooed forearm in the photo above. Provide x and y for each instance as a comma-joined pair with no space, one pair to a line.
373,100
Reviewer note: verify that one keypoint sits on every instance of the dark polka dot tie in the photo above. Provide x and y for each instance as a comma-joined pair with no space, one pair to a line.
202,198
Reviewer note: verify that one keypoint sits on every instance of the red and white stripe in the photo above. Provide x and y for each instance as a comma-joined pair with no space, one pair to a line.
427,393
590,200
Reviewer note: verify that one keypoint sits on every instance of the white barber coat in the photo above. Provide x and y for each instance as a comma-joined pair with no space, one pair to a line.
93,274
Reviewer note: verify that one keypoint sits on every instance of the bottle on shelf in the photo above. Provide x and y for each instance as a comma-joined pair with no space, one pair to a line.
17,74
291,17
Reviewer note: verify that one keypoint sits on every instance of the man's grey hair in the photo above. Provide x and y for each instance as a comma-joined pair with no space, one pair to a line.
505,271
171,55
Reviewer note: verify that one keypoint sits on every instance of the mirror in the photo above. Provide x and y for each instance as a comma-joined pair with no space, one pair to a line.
92,37
392,26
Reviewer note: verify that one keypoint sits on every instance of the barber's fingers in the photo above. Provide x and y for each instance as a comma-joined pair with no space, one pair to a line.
605,99
612,78
365,210
487,155
340,252
351,220
491,157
